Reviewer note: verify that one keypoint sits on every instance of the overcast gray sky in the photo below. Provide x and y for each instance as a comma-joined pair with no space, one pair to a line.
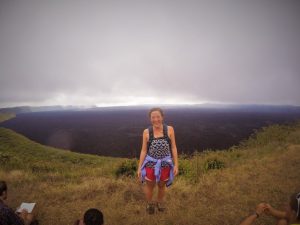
134,52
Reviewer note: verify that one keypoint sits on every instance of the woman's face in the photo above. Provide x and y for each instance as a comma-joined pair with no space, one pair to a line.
156,118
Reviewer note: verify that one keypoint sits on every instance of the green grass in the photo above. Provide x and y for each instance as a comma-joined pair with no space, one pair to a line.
215,187
19,153
6,116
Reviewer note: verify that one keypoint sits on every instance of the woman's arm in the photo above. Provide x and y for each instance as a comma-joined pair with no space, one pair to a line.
260,208
174,150
276,213
143,152
249,220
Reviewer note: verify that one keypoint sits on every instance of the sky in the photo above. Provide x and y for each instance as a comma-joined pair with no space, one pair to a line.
61,52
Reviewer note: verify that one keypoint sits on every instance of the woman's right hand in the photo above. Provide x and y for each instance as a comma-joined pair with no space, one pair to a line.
139,173
261,208
27,217
269,208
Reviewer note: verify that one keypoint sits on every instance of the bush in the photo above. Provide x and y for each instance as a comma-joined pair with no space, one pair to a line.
273,134
212,164
127,168
184,168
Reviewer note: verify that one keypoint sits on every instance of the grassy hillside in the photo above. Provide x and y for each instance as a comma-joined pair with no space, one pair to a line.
6,116
213,188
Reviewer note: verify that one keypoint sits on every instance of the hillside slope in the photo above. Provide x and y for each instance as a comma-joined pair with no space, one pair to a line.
6,116
65,184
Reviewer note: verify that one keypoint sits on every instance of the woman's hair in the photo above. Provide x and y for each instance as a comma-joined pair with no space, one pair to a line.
3,187
156,109
295,204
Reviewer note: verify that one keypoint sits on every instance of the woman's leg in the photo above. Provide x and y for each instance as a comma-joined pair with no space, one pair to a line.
149,190
149,193
165,173
161,191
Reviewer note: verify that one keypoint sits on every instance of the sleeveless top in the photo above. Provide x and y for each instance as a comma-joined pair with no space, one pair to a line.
158,148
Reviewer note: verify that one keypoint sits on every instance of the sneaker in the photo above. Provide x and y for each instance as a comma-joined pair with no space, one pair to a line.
150,208
160,206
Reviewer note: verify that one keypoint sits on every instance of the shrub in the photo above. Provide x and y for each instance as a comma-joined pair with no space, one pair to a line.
212,164
184,167
273,134
127,168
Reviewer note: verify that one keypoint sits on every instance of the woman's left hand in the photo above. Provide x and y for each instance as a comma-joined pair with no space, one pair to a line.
175,170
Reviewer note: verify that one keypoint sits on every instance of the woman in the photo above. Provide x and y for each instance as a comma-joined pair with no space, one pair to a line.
158,159
291,215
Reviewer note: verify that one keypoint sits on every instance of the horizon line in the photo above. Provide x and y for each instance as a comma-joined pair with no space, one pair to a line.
149,104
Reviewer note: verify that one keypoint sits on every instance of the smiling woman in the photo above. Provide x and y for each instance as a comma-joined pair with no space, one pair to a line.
158,159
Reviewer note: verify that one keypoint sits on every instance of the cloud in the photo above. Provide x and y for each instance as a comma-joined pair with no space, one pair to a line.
130,52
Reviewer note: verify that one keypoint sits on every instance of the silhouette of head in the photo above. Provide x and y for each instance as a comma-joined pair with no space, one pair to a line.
93,217
3,190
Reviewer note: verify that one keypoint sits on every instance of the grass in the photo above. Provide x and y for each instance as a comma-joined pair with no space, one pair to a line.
6,116
64,184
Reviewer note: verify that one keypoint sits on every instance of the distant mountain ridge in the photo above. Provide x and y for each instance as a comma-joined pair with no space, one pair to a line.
240,107
27,109
116,131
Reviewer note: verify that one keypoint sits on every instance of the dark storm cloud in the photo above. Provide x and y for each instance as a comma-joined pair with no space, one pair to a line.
119,52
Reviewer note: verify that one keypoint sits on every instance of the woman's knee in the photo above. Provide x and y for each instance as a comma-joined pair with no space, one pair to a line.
161,185
150,184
